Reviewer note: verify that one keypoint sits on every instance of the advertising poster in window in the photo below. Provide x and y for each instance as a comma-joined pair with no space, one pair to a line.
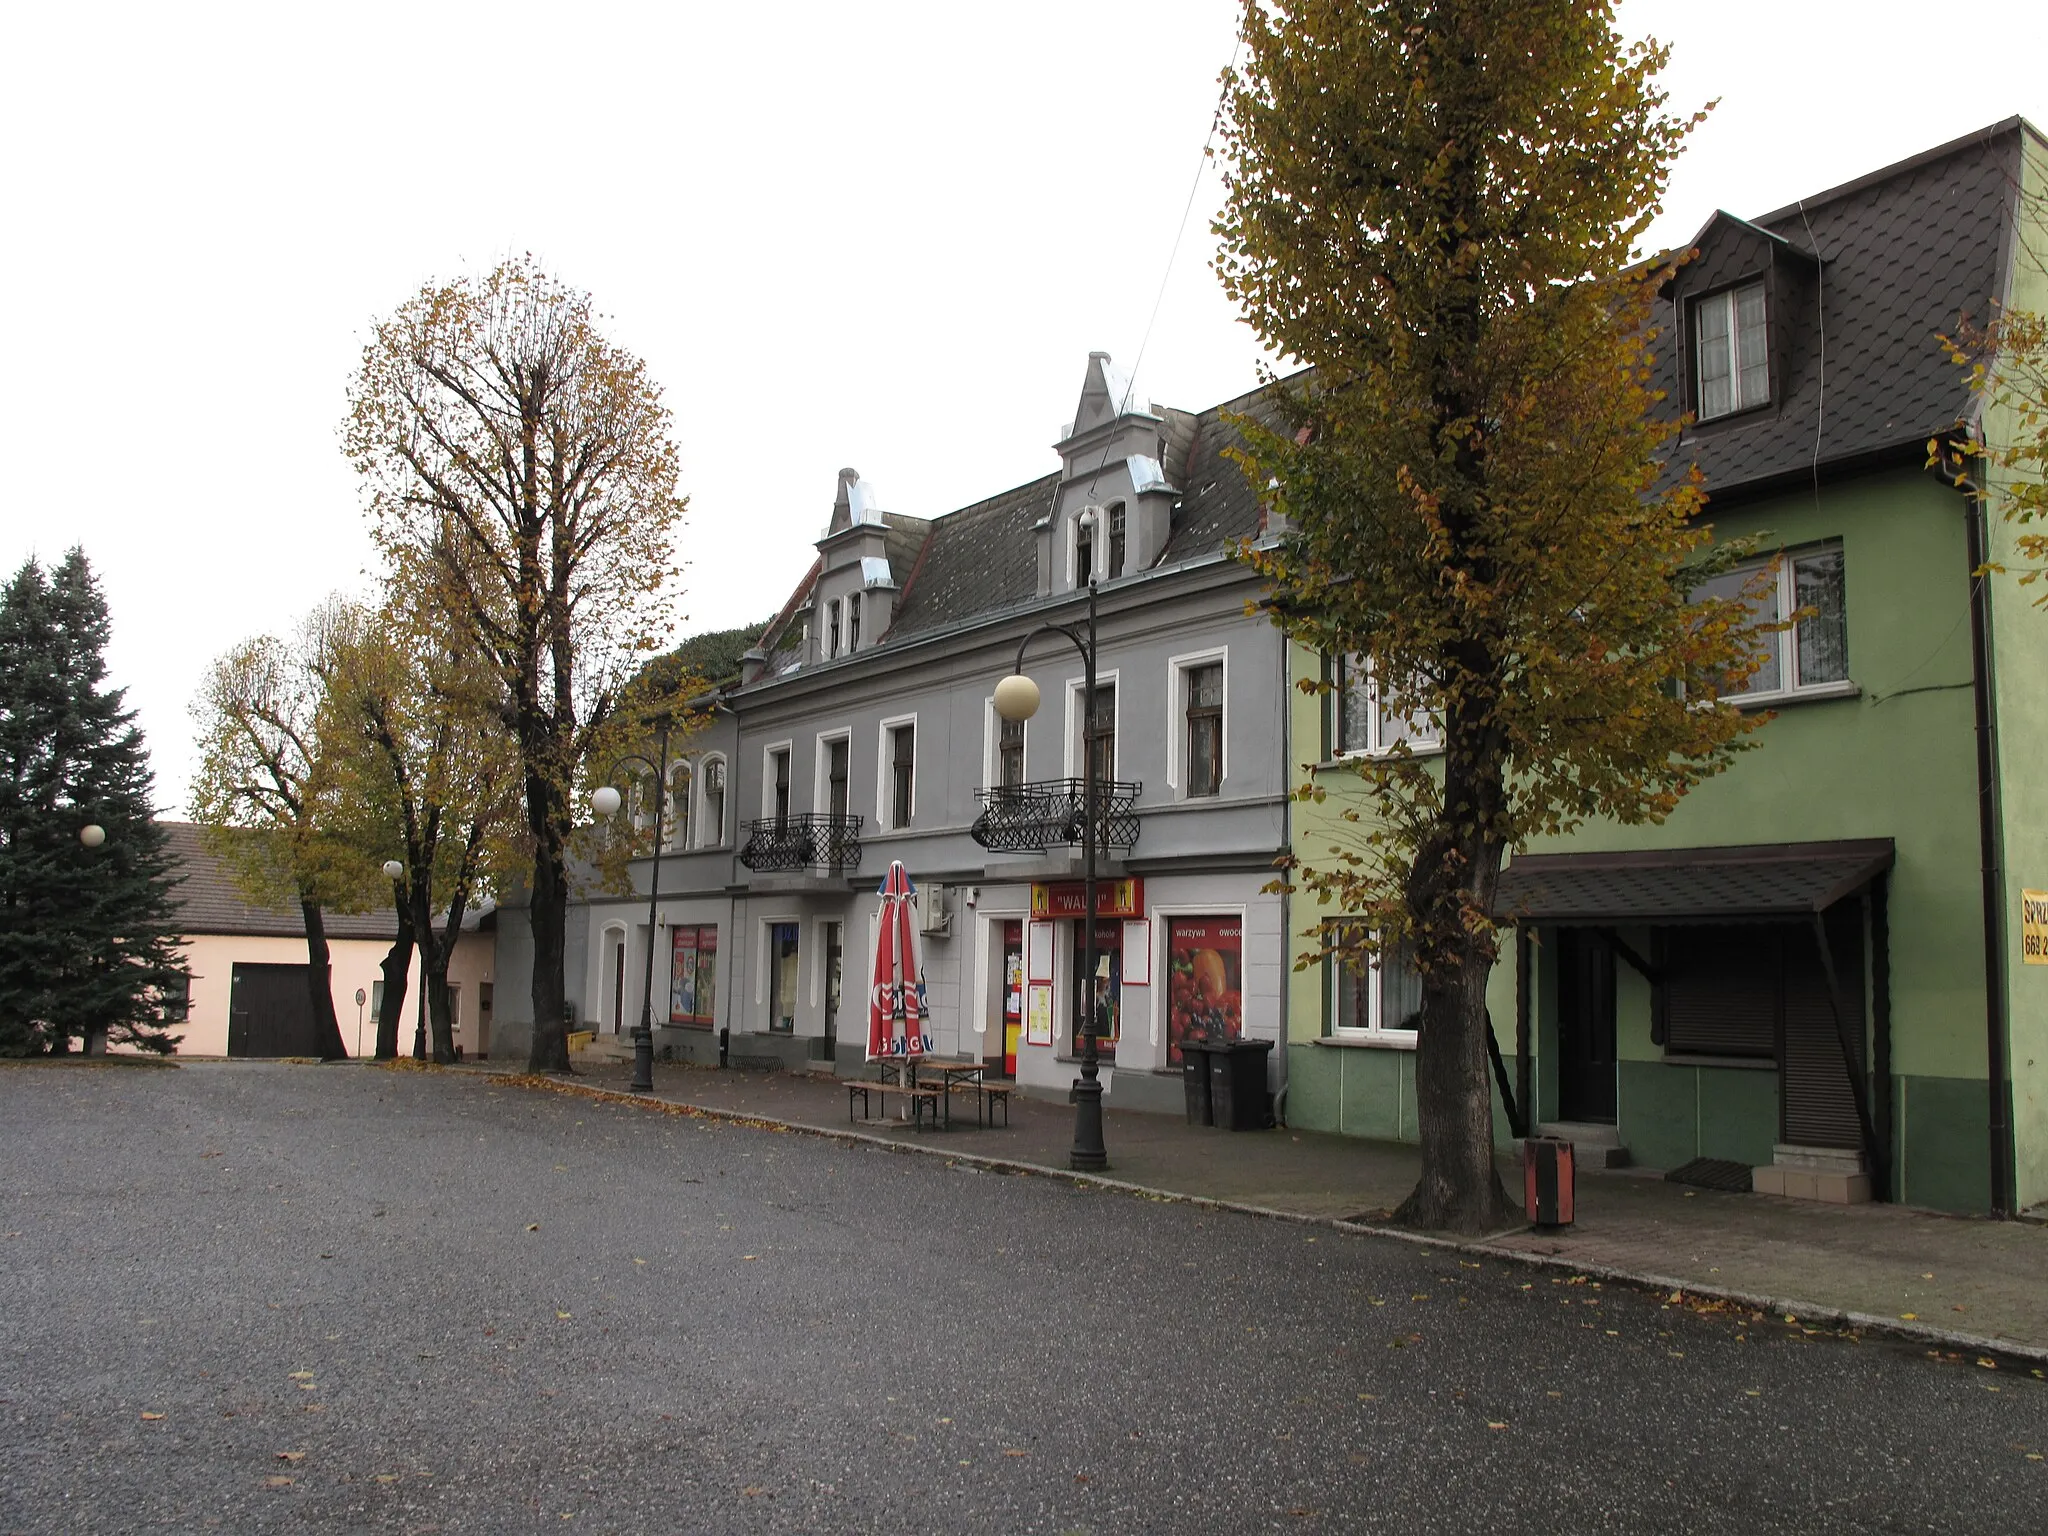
1205,980
693,971
1038,1022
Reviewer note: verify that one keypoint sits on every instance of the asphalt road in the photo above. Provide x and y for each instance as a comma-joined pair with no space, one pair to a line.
256,1298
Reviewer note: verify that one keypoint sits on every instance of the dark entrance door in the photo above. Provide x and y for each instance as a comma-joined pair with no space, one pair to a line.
835,969
270,1012
1585,1026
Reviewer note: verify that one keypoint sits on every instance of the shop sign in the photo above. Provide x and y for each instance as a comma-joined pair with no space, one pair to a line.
2034,927
1069,899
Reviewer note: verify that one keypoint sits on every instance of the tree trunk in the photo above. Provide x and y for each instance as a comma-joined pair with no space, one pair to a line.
320,986
397,962
549,915
1460,1188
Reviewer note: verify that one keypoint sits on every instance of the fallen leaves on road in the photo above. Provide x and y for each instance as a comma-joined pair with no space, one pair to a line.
291,1455
277,1482
1015,1452
152,1415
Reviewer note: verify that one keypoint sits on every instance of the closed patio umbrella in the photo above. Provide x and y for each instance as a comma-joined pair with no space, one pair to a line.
898,1019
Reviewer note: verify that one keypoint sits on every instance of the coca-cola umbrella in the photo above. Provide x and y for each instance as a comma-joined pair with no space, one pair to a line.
898,1020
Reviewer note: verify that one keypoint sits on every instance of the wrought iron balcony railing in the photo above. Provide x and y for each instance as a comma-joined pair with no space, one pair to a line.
1025,818
809,841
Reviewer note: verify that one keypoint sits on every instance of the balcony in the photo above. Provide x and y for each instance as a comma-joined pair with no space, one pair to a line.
807,842
1028,818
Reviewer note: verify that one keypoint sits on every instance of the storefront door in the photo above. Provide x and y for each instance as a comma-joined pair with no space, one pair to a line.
782,977
1109,974
1013,993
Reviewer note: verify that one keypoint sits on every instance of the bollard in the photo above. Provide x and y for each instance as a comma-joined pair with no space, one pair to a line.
1547,1180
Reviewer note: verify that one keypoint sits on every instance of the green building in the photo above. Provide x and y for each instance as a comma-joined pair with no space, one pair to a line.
1815,969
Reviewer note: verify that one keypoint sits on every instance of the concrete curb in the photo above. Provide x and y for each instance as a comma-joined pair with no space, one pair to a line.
1811,1313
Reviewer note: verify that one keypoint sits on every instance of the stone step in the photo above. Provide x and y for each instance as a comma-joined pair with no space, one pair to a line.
1593,1146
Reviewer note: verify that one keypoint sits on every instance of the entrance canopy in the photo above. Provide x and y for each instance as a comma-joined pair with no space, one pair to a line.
1760,882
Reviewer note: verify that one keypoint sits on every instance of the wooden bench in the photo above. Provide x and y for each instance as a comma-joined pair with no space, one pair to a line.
923,1100
987,1095
990,1095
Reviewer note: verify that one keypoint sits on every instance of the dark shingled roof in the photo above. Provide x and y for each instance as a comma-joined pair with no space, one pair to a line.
984,558
1217,503
1666,885
1903,254
976,560
209,901
905,537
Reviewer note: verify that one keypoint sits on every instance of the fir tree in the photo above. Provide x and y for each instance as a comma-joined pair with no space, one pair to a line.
88,936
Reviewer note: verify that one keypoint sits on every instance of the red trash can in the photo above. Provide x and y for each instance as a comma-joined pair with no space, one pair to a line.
1547,1178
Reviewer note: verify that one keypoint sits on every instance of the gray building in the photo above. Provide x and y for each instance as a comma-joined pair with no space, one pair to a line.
863,730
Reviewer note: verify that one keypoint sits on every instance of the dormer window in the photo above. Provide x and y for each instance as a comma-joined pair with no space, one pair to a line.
1116,544
832,627
1084,552
1734,357
853,622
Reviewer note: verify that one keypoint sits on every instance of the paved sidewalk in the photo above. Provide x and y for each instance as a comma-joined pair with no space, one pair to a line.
1955,1282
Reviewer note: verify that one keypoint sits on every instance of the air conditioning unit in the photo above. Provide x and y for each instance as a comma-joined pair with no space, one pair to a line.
932,916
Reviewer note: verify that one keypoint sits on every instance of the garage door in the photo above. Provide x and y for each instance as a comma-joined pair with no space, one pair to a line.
270,1012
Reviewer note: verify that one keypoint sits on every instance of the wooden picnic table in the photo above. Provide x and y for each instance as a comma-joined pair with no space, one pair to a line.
931,1081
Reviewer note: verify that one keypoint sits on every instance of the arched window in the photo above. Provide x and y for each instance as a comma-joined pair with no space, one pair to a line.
711,813
677,833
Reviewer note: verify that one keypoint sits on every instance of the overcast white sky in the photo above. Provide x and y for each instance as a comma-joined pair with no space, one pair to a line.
883,234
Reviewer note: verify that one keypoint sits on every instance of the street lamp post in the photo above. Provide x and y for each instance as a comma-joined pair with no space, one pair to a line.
1017,699
605,801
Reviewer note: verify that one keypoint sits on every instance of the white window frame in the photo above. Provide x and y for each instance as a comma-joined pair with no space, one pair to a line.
677,839
885,772
1336,974
768,777
711,836
1177,669
821,783
1074,582
992,745
1786,592
1075,687
1727,300
1377,744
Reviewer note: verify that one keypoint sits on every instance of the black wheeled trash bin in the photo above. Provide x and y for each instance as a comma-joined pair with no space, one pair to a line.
1194,1076
1237,1083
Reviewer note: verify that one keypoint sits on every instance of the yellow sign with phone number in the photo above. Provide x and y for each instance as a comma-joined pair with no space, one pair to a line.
2034,927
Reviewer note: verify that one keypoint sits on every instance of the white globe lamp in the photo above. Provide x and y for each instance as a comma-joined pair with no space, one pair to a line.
393,869
605,801
92,834
1016,697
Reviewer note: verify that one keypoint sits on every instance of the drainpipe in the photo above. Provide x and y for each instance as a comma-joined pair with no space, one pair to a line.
1996,1067
1998,1085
